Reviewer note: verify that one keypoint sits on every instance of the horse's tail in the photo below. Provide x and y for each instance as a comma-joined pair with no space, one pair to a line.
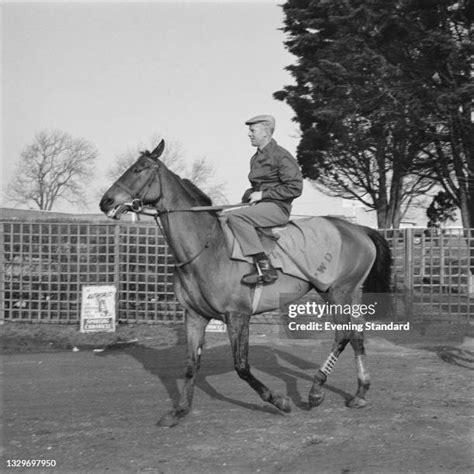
378,280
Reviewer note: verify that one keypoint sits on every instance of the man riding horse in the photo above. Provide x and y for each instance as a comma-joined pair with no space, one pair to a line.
276,180
206,280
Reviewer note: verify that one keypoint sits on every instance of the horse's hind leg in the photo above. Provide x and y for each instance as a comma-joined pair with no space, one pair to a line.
195,326
316,394
238,330
356,339
341,295
363,378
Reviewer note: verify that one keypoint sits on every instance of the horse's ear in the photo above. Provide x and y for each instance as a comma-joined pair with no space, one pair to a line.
157,152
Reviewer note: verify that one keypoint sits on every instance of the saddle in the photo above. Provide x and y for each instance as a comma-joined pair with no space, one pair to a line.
307,248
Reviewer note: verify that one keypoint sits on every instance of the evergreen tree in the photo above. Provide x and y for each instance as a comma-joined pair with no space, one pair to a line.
366,99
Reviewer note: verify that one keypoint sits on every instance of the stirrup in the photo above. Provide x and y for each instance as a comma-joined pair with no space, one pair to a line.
252,279
261,276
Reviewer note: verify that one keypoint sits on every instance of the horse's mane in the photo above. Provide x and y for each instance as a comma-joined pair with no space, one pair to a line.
189,186
192,189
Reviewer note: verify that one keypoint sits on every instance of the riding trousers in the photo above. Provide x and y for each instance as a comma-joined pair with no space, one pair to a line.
243,221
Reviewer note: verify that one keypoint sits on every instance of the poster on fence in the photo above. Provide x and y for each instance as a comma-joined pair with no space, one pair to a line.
216,326
98,308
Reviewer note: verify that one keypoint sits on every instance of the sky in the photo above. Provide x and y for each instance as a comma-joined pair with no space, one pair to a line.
118,74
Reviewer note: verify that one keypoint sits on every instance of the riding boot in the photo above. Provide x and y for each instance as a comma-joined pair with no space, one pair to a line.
264,271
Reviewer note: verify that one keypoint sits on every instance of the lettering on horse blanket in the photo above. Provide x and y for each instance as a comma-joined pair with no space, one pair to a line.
307,248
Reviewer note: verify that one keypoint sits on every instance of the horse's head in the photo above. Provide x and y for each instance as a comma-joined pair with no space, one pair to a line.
137,187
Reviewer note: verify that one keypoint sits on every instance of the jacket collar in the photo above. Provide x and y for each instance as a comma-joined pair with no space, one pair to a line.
267,149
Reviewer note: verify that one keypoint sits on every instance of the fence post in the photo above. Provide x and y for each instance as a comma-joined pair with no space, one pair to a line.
2,272
408,264
408,272
117,268
442,260
470,262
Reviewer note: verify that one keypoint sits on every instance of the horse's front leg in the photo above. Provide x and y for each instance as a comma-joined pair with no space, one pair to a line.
195,326
238,330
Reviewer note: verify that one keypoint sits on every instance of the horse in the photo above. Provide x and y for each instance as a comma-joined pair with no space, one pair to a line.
207,281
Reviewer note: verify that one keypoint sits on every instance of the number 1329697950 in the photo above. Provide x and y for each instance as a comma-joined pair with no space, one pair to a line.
31,463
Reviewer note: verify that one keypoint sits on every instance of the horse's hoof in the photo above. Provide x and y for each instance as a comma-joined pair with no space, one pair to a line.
171,418
356,402
315,399
282,403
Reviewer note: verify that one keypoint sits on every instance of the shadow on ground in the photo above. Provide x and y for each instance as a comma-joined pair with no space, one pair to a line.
169,365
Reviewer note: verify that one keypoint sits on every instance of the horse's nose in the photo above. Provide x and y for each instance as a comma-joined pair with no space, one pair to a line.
106,204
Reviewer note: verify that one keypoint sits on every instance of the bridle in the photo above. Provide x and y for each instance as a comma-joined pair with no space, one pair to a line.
137,206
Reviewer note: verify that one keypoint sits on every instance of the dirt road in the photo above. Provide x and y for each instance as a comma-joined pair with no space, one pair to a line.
96,412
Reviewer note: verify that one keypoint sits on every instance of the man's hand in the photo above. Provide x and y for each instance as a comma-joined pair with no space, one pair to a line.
256,196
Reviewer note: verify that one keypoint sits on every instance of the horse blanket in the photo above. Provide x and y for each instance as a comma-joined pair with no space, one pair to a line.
307,248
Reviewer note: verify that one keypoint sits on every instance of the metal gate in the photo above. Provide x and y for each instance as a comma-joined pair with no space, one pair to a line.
45,264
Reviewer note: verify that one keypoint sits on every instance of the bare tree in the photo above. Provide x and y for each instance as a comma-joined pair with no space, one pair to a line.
55,166
202,174
172,157
200,171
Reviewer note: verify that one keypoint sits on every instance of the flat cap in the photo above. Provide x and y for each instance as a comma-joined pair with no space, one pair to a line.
267,119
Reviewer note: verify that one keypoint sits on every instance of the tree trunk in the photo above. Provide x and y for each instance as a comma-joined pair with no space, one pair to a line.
464,207
470,192
381,203
397,218
394,212
382,221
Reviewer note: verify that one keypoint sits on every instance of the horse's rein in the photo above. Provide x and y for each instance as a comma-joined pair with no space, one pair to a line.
199,252
137,207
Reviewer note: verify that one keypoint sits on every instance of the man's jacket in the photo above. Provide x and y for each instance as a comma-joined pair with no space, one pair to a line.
276,173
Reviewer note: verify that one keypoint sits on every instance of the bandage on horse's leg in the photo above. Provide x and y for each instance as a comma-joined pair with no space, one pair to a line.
343,294
363,378
316,394
195,326
238,330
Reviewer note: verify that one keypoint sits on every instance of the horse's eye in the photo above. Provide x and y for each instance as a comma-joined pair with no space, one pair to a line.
136,170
